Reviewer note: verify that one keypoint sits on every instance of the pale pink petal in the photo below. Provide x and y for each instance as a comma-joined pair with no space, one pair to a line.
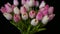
51,16
22,10
15,2
50,10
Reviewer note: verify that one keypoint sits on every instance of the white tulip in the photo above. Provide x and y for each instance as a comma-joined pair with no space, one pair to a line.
45,19
7,16
26,6
25,16
16,10
42,4
30,3
34,22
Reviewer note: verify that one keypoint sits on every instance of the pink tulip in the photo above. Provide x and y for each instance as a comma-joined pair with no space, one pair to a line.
15,2
46,7
50,10
3,10
13,6
51,16
32,14
36,3
23,2
8,8
45,12
9,4
16,17
39,16
23,10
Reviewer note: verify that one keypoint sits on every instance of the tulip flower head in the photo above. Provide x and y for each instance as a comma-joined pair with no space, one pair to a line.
7,16
16,17
45,19
16,10
15,2
42,4
34,22
32,14
3,10
25,16
8,8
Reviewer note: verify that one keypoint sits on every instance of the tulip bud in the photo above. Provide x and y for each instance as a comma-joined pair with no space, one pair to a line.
23,10
45,12
34,22
39,16
50,10
3,10
13,6
16,10
42,4
15,2
30,3
32,14
51,16
8,8
36,3
25,16
7,16
45,19
26,7
46,7
23,2
16,17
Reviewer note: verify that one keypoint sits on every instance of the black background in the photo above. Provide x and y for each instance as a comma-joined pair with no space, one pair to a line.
52,27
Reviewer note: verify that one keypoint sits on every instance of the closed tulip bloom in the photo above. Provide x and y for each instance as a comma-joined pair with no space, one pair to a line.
32,14
8,8
30,3
23,2
16,10
7,16
34,22
46,7
51,16
45,12
45,19
39,16
16,17
15,2
23,10
13,6
3,10
36,3
26,7
50,10
25,16
42,4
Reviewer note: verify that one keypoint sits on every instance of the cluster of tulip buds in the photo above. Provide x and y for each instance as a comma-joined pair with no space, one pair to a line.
43,15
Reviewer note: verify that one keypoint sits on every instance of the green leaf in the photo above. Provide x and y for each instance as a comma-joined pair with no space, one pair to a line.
41,29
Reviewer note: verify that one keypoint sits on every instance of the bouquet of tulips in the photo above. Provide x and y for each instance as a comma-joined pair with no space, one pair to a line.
31,17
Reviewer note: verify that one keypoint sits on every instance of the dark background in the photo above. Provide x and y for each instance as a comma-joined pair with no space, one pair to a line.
52,27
